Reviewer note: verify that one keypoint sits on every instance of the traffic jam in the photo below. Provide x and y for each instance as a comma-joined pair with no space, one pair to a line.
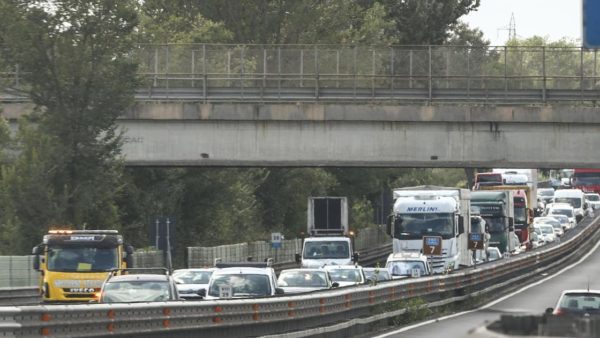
434,230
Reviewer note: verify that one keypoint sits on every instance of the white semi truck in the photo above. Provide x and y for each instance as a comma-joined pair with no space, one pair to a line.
329,241
432,211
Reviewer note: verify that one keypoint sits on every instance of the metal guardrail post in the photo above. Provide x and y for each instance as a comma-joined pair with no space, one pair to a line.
167,68
337,68
155,82
301,66
316,73
468,72
354,72
430,77
242,61
204,75
264,79
373,73
505,73
279,73
392,56
581,71
17,76
193,68
410,69
544,74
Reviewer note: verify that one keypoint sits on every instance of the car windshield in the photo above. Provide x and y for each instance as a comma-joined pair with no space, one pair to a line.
307,279
493,254
583,302
593,198
380,274
573,201
135,291
242,285
566,212
415,226
326,249
345,275
546,230
81,259
549,192
404,268
192,277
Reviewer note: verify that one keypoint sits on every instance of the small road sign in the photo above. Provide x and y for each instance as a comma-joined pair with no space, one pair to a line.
432,245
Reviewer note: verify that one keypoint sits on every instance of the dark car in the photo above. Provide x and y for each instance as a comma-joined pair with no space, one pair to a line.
578,303
143,287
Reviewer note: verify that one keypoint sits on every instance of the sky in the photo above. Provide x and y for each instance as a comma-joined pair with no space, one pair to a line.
549,18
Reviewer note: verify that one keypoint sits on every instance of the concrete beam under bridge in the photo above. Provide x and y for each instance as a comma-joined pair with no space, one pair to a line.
250,134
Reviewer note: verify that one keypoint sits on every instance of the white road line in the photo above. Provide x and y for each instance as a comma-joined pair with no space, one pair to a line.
490,304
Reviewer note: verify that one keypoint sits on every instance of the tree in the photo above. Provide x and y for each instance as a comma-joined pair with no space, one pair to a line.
76,61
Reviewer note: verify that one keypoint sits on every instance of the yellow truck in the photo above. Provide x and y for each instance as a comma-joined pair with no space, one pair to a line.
73,264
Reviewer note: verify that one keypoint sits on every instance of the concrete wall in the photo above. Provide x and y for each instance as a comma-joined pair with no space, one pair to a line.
402,135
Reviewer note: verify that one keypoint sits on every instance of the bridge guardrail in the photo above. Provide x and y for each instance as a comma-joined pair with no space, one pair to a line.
253,317
218,72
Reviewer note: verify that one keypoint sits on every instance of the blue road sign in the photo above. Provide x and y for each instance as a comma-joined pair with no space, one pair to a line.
591,23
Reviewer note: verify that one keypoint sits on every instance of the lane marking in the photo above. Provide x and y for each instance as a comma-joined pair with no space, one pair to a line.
490,304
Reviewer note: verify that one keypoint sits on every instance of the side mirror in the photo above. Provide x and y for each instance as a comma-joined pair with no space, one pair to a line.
36,263
355,257
549,311
335,285
297,258
388,224
129,249
129,260
461,225
279,291
202,293
511,228
511,223
585,206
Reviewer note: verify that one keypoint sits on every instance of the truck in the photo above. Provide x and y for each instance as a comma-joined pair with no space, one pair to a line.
587,180
496,208
73,264
523,199
432,211
330,242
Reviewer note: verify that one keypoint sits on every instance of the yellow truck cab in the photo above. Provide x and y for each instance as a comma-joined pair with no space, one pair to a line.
73,264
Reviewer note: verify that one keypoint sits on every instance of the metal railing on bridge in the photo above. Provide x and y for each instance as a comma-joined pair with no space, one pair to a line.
264,73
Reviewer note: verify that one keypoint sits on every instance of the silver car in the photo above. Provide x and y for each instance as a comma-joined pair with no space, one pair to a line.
305,280
190,281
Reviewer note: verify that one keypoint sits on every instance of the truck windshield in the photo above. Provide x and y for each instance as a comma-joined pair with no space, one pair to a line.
415,226
326,249
586,179
566,212
80,259
495,224
573,201
520,215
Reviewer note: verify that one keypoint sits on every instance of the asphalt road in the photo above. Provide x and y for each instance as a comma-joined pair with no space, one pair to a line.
533,300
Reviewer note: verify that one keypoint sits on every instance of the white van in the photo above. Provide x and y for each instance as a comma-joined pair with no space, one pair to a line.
575,198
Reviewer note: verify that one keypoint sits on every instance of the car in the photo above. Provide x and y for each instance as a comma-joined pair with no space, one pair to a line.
562,209
493,253
128,287
564,221
377,274
305,280
242,280
190,281
408,264
556,225
346,275
575,198
545,194
547,232
577,303
593,200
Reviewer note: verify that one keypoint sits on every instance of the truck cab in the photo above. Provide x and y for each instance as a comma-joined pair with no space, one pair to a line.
329,242
496,208
432,211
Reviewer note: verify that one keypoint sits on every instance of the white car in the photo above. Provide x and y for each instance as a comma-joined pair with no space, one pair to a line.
408,264
562,209
575,198
556,225
242,280
547,232
190,281
593,200
346,275
564,221
305,280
